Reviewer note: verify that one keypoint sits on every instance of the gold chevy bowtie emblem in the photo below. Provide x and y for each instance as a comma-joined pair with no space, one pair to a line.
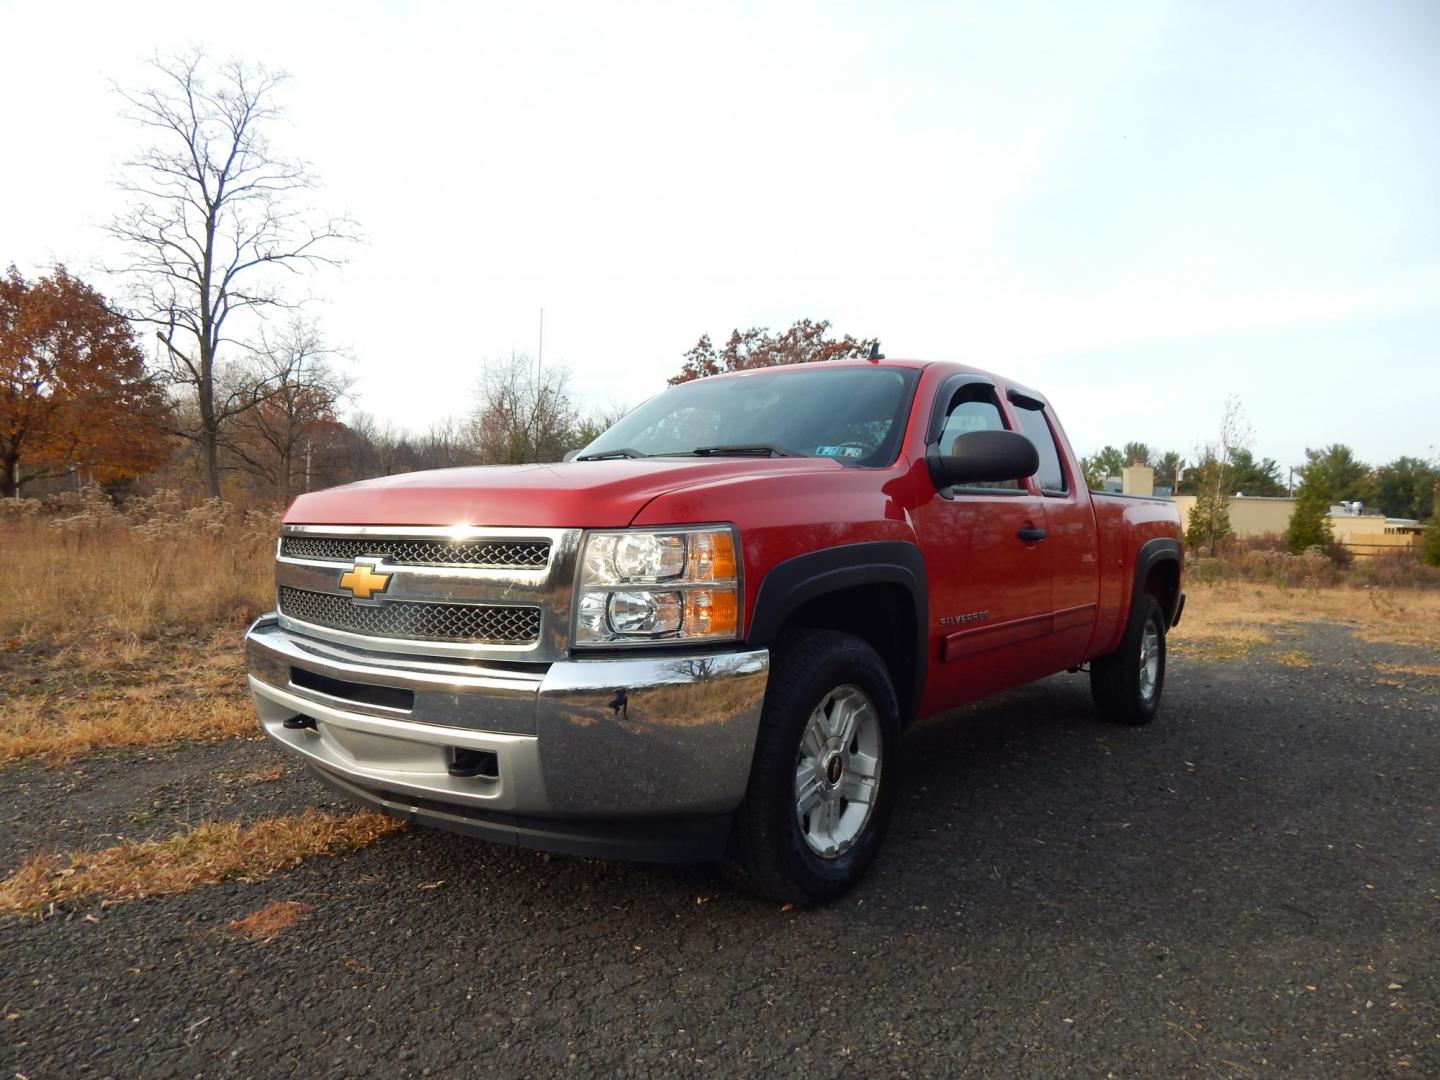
364,581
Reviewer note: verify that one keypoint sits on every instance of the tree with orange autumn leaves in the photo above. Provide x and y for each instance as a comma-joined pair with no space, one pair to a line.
74,394
802,343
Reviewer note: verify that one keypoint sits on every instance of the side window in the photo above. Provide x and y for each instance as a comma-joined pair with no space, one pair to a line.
1051,475
974,408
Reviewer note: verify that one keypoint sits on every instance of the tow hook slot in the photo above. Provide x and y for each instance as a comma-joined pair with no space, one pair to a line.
299,722
465,762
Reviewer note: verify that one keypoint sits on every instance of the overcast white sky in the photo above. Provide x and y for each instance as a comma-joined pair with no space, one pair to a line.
1136,211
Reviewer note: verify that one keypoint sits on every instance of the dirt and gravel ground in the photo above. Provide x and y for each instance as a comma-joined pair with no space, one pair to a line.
1250,887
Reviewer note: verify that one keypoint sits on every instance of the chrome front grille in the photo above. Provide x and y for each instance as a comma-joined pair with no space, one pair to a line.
464,591
482,624
483,554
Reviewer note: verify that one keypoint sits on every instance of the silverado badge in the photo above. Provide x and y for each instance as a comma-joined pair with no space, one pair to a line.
364,580
968,617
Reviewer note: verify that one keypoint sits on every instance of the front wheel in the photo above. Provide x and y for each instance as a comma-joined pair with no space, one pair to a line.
1127,684
823,780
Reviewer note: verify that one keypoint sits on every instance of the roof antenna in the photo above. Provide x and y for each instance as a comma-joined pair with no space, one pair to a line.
875,353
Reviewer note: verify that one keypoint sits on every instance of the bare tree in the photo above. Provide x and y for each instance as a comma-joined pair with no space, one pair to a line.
377,449
299,391
213,224
443,446
599,420
1210,516
522,415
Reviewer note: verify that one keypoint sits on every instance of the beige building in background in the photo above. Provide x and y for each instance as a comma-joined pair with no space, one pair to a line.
1366,535
1251,516
1254,517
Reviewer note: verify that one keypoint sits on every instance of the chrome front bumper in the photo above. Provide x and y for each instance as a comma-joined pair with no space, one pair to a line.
582,748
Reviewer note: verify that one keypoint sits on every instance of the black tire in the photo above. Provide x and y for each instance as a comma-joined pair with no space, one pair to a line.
769,854
1115,681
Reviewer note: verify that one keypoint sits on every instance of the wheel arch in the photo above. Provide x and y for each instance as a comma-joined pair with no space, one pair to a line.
874,590
1157,574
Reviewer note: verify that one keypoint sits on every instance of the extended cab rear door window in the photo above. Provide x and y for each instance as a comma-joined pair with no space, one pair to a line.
1030,414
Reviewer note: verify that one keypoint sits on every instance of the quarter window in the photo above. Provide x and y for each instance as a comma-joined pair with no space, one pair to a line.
1051,475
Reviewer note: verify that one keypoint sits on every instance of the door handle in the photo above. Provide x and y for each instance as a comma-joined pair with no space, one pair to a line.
1030,535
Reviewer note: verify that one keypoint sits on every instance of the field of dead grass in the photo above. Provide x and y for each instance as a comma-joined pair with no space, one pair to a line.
123,629
91,690
139,574
1227,621
204,855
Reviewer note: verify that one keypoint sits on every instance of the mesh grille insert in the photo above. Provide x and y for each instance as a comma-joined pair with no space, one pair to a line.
479,623
493,554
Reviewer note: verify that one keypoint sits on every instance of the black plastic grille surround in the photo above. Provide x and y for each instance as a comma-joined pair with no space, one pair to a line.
490,554
482,624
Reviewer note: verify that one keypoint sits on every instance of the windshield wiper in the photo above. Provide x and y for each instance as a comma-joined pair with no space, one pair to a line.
759,449
602,455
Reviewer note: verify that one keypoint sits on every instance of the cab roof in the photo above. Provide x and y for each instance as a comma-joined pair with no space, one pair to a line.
885,361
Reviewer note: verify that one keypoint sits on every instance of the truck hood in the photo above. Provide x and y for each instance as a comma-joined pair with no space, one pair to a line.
577,494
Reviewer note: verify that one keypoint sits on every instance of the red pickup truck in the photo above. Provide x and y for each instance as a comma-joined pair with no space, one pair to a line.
702,637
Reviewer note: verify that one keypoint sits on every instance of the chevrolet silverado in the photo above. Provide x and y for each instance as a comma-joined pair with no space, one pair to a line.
702,637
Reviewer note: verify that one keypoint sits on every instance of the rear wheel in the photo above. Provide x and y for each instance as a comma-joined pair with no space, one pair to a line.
1127,684
822,782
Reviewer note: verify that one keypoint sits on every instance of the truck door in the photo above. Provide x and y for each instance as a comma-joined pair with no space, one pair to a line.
1069,534
988,571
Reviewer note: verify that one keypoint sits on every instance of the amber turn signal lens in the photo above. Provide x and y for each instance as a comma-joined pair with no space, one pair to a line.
711,613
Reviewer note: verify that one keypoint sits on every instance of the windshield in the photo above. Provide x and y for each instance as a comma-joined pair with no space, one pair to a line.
853,414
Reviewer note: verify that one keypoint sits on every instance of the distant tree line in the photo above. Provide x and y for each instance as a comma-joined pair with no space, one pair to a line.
77,405
1403,488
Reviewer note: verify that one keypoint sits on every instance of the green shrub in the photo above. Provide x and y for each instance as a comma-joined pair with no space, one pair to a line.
1430,541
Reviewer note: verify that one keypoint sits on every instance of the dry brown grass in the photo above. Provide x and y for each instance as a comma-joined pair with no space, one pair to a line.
1227,621
205,855
88,690
134,578
1431,671
271,920
59,735
124,630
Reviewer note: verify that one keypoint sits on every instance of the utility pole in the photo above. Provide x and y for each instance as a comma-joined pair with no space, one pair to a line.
540,352
309,446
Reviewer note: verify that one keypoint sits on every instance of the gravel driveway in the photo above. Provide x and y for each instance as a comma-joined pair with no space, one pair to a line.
1250,887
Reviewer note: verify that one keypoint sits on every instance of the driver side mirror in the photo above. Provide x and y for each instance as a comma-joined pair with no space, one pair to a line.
983,457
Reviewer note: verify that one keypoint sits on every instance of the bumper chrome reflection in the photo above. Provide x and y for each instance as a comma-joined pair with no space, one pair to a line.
612,738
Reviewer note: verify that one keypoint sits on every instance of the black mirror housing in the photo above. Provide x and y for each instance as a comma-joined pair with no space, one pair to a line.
983,457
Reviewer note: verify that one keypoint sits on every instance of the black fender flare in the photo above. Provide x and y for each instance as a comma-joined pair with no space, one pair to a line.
791,584
1152,553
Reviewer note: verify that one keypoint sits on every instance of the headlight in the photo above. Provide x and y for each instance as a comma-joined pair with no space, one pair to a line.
640,586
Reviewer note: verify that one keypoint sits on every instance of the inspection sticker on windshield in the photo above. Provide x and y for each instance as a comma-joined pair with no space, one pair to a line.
839,451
